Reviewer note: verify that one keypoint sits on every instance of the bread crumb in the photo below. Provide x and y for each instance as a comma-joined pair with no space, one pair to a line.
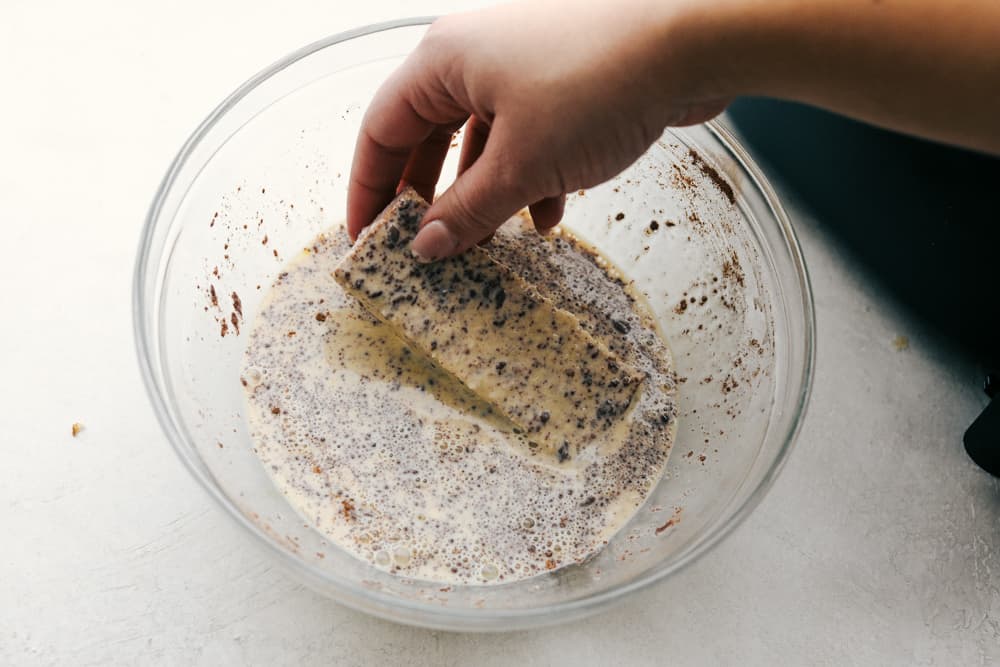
901,343
77,427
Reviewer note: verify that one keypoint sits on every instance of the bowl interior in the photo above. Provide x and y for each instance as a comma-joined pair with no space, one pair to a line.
719,268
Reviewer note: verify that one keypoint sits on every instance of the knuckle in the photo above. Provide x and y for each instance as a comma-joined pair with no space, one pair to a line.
439,33
513,175
470,218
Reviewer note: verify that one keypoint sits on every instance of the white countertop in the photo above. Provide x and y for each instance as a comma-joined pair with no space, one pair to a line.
879,544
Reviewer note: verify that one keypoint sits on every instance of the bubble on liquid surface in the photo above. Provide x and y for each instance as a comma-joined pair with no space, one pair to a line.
254,376
401,556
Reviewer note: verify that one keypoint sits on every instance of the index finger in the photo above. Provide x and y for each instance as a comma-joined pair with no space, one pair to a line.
390,130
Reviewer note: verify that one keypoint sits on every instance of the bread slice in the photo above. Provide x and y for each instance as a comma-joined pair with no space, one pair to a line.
493,331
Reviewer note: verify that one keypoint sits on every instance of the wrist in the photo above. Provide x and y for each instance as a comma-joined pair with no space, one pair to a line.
718,50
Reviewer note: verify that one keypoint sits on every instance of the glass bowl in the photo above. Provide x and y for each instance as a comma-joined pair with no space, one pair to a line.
720,267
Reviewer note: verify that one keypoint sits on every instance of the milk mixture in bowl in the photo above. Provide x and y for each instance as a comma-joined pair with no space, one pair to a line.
398,462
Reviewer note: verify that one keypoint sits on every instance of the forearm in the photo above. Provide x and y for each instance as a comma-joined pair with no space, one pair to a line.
920,66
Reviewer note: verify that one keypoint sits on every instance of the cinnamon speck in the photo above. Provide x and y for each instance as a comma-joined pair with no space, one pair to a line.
348,510
731,270
668,524
714,175
672,521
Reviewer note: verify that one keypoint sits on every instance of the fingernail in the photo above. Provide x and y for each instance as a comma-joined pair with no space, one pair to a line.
434,241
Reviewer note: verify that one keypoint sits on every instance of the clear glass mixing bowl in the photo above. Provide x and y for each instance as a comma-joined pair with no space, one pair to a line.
720,267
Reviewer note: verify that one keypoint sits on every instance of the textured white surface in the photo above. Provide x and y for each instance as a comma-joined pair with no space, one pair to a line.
880,543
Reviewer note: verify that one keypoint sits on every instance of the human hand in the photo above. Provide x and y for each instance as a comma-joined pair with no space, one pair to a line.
557,96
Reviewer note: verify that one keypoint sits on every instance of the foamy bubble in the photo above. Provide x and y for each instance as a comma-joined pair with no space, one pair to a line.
401,556
254,376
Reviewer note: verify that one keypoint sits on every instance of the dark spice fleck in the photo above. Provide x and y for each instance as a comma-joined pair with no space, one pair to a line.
606,409
621,326
620,217
544,417
653,226
563,452
668,524
393,236
321,317
712,174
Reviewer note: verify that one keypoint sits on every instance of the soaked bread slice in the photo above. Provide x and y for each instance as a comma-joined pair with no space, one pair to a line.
492,330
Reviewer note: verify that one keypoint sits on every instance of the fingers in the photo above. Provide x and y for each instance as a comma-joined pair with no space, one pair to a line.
391,129
380,157
476,133
479,201
547,213
424,166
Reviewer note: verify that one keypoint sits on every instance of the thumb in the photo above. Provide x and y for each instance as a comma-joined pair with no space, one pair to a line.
481,199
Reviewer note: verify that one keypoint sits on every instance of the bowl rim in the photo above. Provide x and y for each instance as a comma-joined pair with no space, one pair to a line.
425,614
